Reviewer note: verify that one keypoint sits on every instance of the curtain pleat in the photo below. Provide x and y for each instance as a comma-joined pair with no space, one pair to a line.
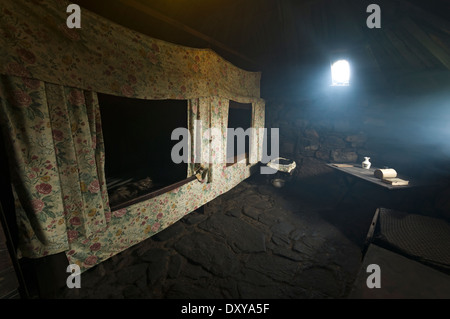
199,121
195,137
34,170
258,122
219,124
57,163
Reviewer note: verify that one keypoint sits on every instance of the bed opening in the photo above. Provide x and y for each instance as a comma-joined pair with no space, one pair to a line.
137,137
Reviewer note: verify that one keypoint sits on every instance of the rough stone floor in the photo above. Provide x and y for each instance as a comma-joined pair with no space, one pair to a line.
256,241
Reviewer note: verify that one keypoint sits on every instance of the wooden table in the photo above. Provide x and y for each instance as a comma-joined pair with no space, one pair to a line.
368,175
356,173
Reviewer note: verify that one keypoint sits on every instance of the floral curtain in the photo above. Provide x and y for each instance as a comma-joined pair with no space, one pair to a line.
49,114
208,119
198,125
258,122
105,57
219,121
54,136
55,141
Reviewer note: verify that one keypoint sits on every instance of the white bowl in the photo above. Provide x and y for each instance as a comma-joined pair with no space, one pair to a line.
278,182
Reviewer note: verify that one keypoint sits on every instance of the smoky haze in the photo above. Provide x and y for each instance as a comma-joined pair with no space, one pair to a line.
414,132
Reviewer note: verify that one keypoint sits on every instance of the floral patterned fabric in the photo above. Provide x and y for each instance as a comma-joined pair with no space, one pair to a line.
54,135
50,119
105,57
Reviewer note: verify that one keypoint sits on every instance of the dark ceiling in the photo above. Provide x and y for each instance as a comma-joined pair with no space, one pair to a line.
279,37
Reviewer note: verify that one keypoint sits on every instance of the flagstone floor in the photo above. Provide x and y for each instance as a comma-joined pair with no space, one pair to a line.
256,241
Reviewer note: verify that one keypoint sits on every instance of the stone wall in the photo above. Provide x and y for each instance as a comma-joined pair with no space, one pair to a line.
391,131
344,128
315,131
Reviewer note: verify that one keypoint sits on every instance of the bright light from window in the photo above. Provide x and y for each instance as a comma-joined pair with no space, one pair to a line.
340,73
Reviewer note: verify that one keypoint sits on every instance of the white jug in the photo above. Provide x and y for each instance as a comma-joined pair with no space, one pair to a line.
366,163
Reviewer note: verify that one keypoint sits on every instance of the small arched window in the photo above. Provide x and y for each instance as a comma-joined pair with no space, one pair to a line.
340,73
